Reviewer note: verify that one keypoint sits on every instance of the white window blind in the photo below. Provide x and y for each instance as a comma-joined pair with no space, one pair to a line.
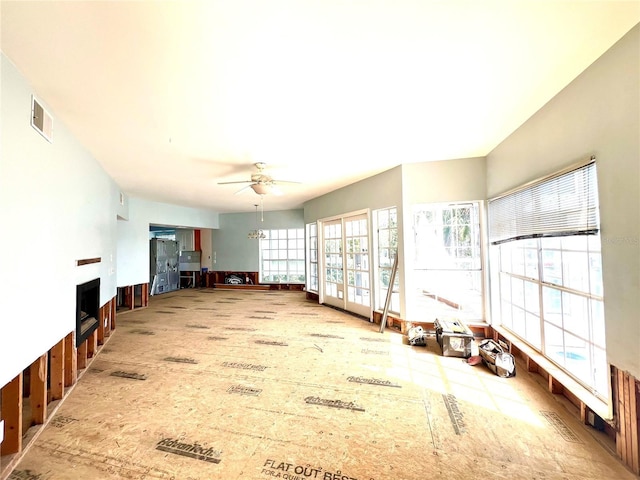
565,204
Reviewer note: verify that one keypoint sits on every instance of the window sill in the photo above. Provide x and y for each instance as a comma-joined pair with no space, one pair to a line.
557,376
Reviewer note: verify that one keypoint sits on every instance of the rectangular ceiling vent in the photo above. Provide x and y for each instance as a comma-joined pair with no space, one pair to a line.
41,120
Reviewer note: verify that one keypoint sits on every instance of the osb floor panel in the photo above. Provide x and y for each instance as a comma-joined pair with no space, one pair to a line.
208,384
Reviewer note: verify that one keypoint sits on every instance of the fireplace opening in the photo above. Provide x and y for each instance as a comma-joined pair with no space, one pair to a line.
87,309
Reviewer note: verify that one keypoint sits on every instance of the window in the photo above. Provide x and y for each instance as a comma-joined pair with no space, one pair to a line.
448,266
312,257
387,245
550,273
282,256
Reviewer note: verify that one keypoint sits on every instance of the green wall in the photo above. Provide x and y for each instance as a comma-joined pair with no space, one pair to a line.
597,114
231,248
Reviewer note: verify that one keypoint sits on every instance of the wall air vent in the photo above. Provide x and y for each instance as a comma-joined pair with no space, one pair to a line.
41,120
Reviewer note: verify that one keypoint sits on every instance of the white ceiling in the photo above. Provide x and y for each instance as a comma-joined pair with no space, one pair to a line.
172,97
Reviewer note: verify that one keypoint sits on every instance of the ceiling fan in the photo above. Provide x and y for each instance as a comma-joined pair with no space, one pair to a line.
260,182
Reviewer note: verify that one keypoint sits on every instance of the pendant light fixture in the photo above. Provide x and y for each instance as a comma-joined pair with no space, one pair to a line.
258,234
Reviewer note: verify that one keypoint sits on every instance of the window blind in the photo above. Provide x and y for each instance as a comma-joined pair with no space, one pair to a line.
565,204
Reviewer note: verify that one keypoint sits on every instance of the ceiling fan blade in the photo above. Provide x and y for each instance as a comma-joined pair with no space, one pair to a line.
230,183
243,189
285,181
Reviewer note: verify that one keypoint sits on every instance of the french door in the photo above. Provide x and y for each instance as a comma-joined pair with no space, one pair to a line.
347,275
333,278
358,276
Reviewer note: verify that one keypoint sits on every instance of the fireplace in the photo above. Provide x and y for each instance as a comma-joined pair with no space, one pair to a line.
87,309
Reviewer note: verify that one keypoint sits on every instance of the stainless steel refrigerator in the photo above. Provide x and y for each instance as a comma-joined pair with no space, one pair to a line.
164,272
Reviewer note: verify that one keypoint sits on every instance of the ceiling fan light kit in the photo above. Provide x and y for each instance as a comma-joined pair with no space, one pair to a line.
261,183
261,188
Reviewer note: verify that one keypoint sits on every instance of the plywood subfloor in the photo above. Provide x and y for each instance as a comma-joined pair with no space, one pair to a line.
208,384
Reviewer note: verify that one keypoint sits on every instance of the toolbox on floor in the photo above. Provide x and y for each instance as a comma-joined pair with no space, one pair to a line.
454,337
499,362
